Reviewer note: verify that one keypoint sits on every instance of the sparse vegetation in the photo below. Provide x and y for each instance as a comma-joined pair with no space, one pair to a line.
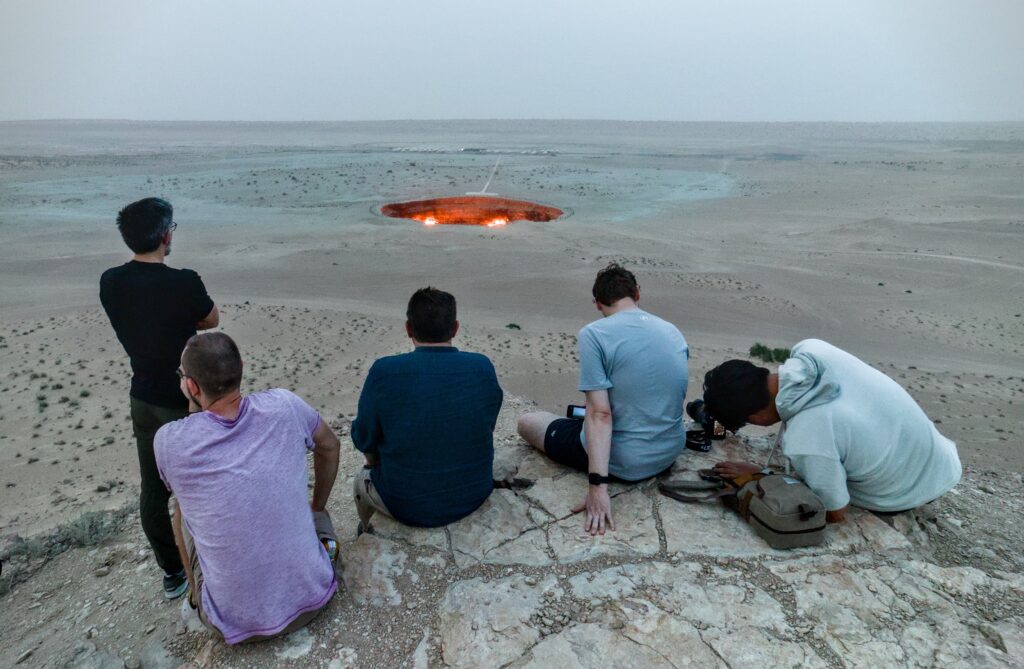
759,350
89,529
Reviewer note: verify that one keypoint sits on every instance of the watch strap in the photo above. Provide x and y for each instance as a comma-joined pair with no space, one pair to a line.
597,479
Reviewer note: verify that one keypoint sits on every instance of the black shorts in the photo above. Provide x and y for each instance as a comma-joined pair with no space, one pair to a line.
563,443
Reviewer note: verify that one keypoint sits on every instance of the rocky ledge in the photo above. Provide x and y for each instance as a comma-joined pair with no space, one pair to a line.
518,584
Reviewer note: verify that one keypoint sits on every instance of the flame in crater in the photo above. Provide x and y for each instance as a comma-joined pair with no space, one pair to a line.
487,211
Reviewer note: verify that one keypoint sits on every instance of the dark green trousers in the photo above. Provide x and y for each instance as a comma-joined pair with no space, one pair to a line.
156,519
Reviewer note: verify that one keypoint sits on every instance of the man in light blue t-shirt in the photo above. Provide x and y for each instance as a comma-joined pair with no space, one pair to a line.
633,369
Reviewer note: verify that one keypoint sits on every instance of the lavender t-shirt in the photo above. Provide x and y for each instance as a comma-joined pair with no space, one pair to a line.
242,487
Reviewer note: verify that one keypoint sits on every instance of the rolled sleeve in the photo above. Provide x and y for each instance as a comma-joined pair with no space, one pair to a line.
593,375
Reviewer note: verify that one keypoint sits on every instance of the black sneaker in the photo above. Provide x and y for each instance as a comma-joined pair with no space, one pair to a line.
175,585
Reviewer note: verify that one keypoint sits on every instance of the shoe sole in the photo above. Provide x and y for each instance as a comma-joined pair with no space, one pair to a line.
177,592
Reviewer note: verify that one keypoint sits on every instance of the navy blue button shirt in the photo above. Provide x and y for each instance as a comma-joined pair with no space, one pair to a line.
428,418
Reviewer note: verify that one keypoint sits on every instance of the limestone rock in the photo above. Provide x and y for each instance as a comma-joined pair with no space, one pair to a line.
755,648
427,537
636,532
486,623
295,645
155,656
346,658
585,646
708,529
87,656
371,566
884,615
501,531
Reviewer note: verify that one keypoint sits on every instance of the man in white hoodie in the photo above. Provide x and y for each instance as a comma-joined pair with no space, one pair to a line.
850,432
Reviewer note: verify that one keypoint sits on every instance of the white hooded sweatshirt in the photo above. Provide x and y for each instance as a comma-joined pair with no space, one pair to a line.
856,436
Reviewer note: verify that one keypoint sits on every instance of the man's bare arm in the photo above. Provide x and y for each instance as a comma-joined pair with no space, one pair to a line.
837,516
326,452
211,320
597,426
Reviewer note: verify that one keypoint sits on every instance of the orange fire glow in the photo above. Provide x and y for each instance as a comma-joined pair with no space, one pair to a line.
488,211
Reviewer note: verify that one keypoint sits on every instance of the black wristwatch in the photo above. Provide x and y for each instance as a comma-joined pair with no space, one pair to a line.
597,479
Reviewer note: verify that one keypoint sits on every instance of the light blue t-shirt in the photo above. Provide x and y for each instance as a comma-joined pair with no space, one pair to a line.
642,361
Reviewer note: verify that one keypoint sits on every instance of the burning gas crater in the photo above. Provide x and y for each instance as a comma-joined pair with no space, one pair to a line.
484,210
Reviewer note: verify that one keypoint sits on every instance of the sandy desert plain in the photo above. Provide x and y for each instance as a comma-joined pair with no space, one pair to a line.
901,243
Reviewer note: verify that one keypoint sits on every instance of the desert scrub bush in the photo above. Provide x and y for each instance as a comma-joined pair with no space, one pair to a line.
91,528
759,350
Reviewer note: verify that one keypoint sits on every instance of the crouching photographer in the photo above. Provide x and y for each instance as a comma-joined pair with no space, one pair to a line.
850,432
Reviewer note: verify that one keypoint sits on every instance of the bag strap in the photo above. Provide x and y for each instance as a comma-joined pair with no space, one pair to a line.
776,447
668,491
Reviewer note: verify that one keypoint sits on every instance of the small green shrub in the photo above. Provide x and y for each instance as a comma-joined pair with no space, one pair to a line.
762,352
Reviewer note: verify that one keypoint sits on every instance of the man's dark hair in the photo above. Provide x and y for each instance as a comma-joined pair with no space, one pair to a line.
212,360
431,315
143,224
613,283
734,390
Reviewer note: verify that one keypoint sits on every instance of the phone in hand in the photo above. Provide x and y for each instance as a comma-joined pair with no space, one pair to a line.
575,411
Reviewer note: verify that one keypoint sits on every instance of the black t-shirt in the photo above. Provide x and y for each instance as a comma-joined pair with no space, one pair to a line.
154,310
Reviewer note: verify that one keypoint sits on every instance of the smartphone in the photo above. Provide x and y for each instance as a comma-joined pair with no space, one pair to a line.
575,411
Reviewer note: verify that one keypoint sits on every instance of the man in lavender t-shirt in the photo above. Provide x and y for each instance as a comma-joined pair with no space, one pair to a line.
250,540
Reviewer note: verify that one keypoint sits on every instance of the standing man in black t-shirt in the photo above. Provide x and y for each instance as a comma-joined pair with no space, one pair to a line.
154,310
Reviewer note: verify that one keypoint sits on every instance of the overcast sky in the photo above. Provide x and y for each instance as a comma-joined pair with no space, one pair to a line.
717,60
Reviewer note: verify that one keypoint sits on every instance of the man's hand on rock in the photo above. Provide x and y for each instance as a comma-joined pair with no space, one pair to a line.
598,506
730,470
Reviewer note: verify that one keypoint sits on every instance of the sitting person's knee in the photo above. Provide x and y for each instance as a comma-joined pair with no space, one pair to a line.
523,425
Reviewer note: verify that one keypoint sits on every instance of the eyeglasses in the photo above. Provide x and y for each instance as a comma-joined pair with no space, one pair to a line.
181,373
174,226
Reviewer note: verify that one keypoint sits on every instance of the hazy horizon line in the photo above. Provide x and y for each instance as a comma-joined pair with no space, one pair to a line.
504,120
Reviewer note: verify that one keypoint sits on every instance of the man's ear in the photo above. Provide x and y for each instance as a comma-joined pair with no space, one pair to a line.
166,241
193,387
455,330
636,294
408,330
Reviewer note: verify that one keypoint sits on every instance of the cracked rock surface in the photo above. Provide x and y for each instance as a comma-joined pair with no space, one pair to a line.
518,584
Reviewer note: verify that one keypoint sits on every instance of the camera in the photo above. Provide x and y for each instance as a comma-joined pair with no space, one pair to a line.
575,411
700,440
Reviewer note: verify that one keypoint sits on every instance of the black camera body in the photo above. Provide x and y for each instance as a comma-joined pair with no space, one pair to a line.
700,440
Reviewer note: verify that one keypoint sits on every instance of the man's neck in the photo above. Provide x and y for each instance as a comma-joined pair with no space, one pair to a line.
625,304
228,406
151,257
419,344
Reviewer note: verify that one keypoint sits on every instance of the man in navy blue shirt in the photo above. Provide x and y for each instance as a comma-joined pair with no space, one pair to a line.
426,424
